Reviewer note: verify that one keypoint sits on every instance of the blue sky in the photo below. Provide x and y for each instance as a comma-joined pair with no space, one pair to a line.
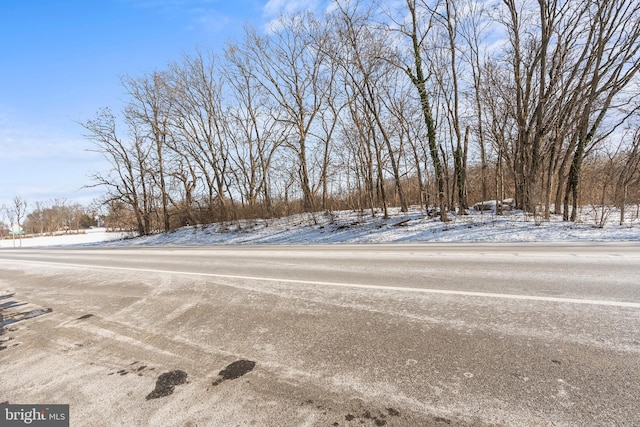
60,61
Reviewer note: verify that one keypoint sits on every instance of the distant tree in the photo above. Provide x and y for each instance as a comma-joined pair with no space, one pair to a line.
17,211
119,216
55,216
35,222
87,221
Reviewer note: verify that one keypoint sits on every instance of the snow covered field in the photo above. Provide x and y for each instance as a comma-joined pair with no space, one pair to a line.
91,236
354,227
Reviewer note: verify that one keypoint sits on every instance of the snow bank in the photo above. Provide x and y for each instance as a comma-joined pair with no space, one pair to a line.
355,227
411,227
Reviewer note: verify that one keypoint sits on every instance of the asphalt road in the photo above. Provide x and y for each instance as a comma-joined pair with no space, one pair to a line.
438,334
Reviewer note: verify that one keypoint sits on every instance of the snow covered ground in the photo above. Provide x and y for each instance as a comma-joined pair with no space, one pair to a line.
354,227
91,236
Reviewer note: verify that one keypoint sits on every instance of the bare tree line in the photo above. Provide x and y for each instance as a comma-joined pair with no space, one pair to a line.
42,218
433,103
55,216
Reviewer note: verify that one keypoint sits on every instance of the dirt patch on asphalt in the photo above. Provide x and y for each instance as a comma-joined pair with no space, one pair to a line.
165,385
235,370
86,316
133,369
363,415
377,418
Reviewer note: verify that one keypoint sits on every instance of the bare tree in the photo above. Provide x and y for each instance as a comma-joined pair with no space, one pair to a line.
17,211
630,173
150,104
128,180
610,64
473,29
446,66
417,30
570,64
199,127
291,69
364,62
528,58
358,133
253,127
361,106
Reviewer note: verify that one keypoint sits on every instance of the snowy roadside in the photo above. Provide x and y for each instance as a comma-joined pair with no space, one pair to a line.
412,227
353,227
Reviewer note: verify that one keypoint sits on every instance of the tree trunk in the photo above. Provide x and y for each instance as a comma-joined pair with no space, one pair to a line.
419,82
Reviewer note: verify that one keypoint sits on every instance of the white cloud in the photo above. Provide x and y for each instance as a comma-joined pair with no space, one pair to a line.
275,8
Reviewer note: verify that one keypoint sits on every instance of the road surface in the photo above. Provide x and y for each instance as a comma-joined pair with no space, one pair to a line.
415,335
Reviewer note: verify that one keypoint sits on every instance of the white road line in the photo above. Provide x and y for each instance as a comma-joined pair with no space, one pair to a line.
347,285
